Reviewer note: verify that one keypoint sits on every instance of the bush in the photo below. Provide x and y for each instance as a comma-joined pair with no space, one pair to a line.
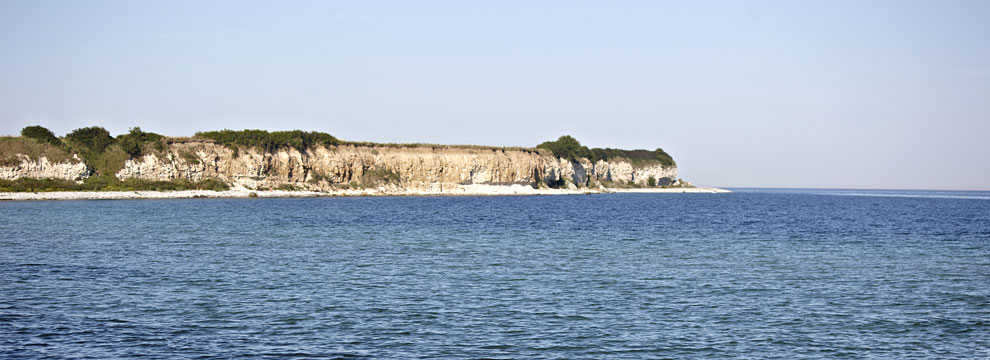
99,182
130,145
566,147
107,155
133,143
637,157
664,157
270,141
108,162
651,181
379,176
159,146
109,183
33,185
315,177
189,157
95,138
170,185
42,135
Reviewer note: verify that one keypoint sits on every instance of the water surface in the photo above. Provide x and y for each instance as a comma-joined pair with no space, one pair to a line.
756,273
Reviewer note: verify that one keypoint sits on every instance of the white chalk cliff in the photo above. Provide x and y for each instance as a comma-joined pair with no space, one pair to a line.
430,168
41,168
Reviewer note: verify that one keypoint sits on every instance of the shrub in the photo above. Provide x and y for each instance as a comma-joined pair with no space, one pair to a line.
288,187
651,181
189,157
379,176
159,146
95,138
213,184
618,184
134,141
133,184
315,177
109,183
107,155
270,141
130,145
42,135
108,162
636,157
566,147
100,182
664,157
34,185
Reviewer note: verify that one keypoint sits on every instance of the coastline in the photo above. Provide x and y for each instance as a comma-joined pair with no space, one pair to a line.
464,190
694,190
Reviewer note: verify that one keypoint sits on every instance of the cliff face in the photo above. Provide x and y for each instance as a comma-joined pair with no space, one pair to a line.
41,168
581,173
321,168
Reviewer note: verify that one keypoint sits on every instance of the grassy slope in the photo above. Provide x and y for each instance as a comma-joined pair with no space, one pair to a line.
10,146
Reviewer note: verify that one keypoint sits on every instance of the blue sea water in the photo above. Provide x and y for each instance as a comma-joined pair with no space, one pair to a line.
753,274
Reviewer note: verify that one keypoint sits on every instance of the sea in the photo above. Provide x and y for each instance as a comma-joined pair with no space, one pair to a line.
757,273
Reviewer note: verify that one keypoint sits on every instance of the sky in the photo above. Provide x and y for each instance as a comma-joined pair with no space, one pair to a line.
822,94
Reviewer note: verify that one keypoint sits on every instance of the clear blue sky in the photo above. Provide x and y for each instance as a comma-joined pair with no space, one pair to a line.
861,94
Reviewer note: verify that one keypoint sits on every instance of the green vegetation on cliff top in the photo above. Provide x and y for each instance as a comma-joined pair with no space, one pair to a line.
303,140
11,146
567,147
270,141
104,152
42,135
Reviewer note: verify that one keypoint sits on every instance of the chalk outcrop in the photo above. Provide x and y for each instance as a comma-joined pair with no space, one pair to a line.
407,167
324,168
41,168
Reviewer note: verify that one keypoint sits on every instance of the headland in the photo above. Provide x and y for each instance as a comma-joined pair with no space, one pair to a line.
89,163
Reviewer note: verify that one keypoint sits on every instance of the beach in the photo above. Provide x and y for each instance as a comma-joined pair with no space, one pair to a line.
461,190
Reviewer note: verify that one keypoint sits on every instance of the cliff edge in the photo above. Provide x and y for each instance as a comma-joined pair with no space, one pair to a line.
258,160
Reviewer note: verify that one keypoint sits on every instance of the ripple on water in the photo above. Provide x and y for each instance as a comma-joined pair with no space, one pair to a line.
751,274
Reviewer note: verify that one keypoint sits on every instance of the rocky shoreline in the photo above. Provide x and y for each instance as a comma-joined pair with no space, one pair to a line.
465,190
